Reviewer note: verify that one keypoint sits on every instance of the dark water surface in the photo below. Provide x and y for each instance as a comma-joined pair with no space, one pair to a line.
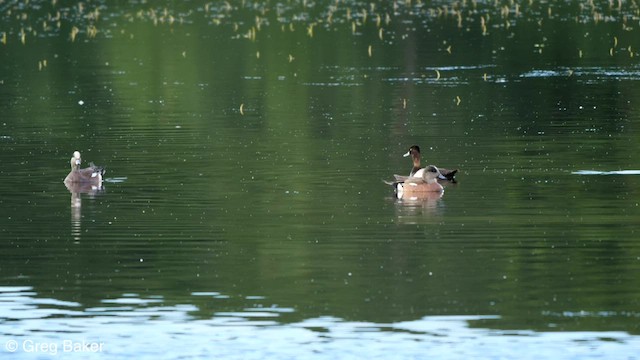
244,215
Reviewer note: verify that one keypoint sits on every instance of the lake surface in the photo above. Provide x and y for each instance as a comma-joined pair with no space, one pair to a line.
244,214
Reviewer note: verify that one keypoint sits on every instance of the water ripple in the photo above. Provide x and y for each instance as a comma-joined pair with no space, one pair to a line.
169,331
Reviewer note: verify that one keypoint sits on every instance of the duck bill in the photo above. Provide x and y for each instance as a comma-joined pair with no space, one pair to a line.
407,154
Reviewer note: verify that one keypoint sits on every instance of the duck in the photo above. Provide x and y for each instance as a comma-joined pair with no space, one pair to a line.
412,186
417,171
90,176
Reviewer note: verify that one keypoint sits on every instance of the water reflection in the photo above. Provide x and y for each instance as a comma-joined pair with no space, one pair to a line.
171,331
161,99
419,208
76,190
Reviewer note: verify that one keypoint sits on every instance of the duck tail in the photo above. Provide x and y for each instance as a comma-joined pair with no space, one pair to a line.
398,187
98,169
448,174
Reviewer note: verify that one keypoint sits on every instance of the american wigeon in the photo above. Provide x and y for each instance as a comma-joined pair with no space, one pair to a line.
427,182
90,176
412,186
417,171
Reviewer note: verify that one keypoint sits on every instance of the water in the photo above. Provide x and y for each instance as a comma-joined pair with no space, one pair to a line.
243,213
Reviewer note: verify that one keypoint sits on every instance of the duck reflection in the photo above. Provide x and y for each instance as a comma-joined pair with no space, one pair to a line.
418,207
76,190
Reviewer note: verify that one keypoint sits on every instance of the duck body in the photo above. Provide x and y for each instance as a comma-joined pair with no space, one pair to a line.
418,171
412,186
90,176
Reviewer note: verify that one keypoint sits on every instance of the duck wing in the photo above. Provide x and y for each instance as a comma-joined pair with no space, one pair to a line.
400,178
415,180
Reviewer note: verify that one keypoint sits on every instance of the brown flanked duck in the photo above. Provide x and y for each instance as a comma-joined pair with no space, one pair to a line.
412,186
87,177
417,171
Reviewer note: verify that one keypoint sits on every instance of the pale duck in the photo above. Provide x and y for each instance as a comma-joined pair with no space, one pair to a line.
91,175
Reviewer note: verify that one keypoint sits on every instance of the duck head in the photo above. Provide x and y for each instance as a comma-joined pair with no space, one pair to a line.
431,174
414,151
75,160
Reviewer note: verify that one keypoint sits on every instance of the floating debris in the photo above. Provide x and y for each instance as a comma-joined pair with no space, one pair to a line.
74,33
483,25
92,31
249,17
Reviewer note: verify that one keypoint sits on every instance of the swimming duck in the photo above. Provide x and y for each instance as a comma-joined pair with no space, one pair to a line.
410,186
417,171
88,176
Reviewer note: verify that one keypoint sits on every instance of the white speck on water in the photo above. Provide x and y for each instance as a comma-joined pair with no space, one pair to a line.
81,102
141,260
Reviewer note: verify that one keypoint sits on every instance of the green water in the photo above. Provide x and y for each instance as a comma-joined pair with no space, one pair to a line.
243,212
